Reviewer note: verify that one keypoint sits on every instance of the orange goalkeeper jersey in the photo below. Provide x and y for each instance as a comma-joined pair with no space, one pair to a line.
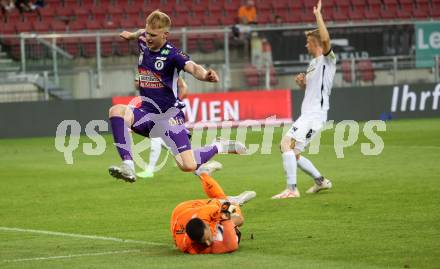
208,210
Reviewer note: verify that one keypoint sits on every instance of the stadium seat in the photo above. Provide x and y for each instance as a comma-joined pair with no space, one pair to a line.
207,43
389,12
265,18
356,13
8,28
93,25
42,25
78,24
122,47
88,45
71,45
134,8
252,75
366,70
346,71
341,14
212,20
422,9
280,4
229,18
435,10
58,25
24,26
370,13
359,3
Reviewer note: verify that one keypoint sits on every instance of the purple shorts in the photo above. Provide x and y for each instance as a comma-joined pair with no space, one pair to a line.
170,126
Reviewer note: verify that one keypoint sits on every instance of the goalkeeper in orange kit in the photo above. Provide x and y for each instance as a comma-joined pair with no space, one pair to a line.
209,225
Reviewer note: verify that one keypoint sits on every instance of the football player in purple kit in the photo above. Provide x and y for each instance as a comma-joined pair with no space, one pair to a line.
160,114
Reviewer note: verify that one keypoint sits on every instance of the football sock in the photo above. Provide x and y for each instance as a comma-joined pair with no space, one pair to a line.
130,163
120,133
202,155
156,147
319,180
291,187
211,187
289,164
307,166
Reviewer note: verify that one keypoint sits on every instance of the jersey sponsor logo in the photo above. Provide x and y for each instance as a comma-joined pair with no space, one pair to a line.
181,229
159,65
148,79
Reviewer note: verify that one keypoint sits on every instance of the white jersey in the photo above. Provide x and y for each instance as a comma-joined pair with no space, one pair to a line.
319,82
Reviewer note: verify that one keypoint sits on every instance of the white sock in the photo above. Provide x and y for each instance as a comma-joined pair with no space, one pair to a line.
129,163
156,148
219,147
289,164
307,166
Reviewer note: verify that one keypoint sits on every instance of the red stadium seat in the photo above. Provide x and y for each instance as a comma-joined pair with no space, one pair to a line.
265,18
435,11
7,28
58,25
389,12
229,19
252,75
88,45
71,45
359,3
24,26
404,13
346,70
79,24
263,5
212,20
371,14
134,8
356,13
122,47
341,14
366,70
42,26
280,4
207,43
93,25
200,7
195,21
64,11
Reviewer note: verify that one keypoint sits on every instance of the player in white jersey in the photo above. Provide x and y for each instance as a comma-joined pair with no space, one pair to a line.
317,83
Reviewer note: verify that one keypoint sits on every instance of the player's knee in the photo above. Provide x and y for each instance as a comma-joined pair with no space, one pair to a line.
116,111
188,166
287,144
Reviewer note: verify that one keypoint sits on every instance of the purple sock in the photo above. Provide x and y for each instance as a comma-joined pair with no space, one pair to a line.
202,155
120,132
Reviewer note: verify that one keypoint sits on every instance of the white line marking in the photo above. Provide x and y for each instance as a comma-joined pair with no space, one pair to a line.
94,237
73,256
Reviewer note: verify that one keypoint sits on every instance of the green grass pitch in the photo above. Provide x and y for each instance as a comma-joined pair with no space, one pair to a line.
382,213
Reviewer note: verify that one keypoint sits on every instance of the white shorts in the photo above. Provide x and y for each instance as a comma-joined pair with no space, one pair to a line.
304,129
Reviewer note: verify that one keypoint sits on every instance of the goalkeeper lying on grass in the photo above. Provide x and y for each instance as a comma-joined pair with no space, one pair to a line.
209,225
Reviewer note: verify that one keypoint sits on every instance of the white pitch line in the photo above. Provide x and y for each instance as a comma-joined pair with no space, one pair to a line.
72,256
94,237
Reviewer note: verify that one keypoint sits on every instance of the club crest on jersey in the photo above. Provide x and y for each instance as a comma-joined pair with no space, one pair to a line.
159,65
165,52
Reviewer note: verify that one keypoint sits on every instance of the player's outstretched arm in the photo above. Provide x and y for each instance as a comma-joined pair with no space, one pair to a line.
131,35
201,73
323,32
183,88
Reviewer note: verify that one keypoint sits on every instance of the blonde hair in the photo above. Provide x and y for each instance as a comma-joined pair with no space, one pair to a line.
159,20
315,34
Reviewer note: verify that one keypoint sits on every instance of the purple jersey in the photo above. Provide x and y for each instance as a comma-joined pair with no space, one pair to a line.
158,74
